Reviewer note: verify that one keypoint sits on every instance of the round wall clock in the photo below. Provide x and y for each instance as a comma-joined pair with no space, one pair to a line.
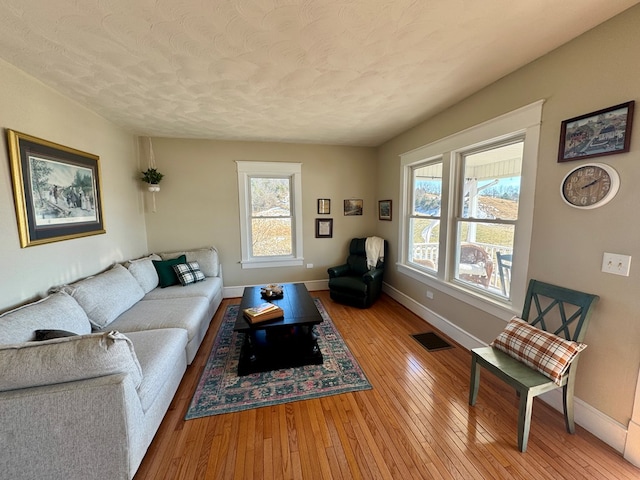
590,186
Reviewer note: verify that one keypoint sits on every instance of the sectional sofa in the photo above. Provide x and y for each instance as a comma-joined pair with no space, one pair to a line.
88,373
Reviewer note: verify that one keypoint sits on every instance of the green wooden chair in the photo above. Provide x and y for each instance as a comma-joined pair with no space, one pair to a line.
504,271
543,305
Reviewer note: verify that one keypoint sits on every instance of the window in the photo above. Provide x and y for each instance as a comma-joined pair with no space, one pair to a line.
467,215
270,214
424,219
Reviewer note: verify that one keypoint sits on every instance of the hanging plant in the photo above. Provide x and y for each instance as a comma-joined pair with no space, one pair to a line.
152,176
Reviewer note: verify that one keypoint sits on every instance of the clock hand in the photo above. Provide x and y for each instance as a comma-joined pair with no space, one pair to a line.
589,184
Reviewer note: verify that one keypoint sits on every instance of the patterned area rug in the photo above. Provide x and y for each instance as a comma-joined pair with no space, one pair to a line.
220,390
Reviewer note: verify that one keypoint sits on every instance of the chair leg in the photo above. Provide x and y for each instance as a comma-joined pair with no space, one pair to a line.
567,400
475,380
524,419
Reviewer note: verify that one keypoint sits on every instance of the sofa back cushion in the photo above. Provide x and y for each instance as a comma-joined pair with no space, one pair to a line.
67,359
207,259
105,296
144,272
55,312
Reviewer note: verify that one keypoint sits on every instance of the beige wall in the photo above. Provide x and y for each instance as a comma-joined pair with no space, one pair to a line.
28,106
198,201
198,204
597,70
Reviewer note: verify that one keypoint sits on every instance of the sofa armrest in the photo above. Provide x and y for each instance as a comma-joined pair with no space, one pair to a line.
67,359
373,275
338,271
76,430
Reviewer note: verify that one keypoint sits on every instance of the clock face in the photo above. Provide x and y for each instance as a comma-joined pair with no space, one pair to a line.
590,186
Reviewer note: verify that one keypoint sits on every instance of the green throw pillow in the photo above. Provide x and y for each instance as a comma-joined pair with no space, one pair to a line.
166,275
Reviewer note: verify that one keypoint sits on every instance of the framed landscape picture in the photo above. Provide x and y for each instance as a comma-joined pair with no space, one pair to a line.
56,190
353,207
384,210
604,132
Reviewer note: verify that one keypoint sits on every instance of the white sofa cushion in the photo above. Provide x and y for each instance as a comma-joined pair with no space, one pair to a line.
206,288
207,259
67,359
105,296
187,313
144,272
158,352
55,312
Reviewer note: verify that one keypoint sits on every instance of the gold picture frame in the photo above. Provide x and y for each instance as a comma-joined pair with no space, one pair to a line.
56,190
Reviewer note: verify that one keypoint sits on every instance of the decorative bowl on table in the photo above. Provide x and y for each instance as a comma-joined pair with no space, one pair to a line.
271,292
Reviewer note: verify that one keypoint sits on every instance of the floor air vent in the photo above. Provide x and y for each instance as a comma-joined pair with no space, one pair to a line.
431,341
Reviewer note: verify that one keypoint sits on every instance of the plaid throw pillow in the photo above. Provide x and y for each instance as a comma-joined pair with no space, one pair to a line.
547,353
188,273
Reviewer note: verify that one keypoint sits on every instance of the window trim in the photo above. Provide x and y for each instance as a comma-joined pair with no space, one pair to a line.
524,122
249,169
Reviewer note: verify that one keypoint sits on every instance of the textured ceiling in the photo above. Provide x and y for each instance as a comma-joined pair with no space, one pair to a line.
354,72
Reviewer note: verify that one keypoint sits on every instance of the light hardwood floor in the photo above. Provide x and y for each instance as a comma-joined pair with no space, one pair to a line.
414,424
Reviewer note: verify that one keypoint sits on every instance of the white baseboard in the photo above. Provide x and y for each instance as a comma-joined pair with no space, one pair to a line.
454,332
605,428
632,446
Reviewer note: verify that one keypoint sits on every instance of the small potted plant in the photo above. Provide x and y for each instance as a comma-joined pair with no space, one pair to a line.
153,177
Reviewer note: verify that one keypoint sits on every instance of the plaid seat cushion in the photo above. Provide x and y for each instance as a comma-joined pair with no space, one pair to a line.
188,273
547,353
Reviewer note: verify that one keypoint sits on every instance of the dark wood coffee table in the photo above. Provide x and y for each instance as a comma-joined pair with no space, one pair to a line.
280,343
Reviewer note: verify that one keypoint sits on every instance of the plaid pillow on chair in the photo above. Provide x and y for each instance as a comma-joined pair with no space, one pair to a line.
547,353
188,273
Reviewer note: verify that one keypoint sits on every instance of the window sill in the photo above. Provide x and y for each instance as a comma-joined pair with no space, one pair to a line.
487,304
272,263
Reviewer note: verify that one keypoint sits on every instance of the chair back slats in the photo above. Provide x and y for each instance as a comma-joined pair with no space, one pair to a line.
563,302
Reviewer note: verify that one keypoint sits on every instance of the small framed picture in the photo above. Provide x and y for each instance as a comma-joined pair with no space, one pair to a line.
324,206
605,132
384,209
353,207
324,227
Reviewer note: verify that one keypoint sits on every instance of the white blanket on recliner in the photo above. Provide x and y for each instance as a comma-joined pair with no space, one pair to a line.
374,248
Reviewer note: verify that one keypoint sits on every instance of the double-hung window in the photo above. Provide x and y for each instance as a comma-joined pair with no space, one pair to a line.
270,214
467,211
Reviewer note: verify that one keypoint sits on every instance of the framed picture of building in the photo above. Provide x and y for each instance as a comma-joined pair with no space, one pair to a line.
604,132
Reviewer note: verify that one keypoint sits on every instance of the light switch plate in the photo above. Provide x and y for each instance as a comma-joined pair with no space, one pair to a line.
616,264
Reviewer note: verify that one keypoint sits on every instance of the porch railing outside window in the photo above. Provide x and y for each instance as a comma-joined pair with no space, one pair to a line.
429,252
